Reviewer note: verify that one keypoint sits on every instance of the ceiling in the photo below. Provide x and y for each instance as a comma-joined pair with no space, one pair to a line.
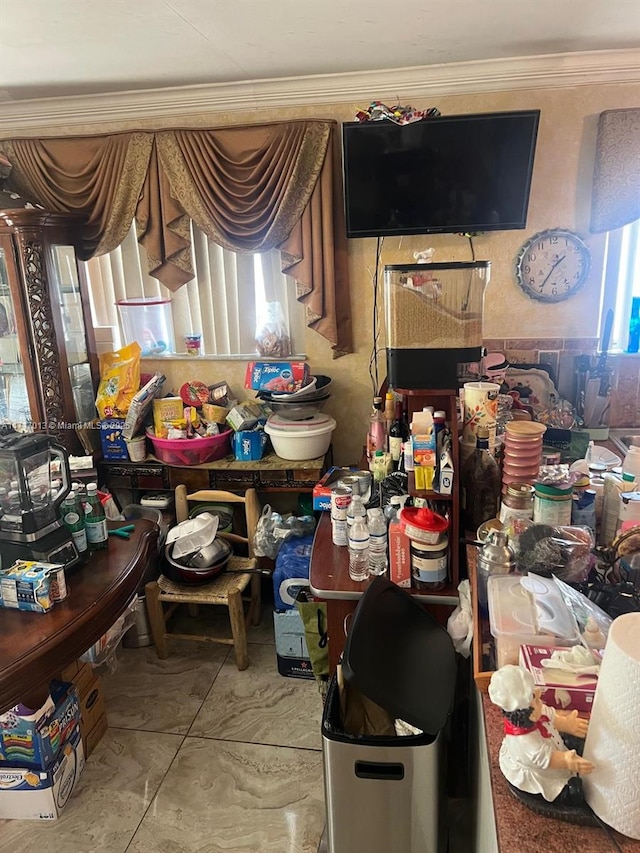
80,47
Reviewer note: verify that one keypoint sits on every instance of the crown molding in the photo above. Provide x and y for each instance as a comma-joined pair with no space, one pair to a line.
528,72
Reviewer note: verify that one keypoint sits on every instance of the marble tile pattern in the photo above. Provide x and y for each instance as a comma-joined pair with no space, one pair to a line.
252,780
116,788
150,694
260,706
220,797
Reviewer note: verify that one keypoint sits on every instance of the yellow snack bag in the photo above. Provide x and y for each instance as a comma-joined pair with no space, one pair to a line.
119,381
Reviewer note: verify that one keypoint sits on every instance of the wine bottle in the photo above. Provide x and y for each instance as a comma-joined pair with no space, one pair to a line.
398,433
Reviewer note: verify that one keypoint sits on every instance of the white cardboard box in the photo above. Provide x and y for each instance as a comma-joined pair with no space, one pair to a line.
29,794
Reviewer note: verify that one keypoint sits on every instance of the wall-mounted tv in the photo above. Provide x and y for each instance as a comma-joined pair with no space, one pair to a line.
440,175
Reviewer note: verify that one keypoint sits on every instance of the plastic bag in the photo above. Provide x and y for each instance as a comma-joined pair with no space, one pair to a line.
119,381
272,332
272,530
545,550
460,623
103,651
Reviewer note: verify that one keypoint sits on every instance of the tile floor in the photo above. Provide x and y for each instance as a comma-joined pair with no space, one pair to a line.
197,757
201,757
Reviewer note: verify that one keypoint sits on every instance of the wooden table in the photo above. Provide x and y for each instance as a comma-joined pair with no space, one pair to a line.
35,647
269,474
329,580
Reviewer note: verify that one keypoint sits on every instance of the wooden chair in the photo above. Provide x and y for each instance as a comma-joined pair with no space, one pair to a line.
225,590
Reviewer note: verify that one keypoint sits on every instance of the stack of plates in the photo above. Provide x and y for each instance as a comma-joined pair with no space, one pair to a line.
522,451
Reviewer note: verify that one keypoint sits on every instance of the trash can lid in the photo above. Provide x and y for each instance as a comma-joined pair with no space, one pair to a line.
397,655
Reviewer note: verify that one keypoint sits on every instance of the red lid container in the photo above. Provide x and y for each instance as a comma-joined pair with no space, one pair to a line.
422,525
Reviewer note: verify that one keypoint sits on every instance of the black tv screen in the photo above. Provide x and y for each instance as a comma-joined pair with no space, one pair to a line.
439,175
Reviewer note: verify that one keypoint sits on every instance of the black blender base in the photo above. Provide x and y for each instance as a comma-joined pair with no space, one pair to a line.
55,547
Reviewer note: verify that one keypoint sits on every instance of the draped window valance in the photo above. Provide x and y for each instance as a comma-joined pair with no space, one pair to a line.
616,180
250,189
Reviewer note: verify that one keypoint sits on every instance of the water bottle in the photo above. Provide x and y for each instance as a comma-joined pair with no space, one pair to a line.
359,550
378,562
356,510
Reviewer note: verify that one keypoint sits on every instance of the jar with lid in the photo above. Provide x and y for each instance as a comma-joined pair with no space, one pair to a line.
429,564
552,504
517,502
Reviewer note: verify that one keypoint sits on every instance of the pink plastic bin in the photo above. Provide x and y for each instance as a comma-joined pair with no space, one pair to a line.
191,451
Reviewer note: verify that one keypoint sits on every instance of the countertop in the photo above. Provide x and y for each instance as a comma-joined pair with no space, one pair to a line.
522,831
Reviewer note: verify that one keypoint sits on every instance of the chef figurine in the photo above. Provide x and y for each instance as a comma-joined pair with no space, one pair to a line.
533,756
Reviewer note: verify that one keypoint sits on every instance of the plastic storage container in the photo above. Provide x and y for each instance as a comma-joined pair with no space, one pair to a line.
297,440
149,322
529,610
434,321
387,793
191,451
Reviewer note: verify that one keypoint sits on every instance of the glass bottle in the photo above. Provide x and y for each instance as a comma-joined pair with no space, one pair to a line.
94,520
398,434
72,517
480,484
389,409
377,435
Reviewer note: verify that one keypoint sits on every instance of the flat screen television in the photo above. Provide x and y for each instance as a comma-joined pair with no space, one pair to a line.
448,174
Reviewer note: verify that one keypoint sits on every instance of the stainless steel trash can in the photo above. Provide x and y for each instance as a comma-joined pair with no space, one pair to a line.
386,794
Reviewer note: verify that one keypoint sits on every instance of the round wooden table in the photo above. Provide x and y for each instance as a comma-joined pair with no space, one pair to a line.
36,647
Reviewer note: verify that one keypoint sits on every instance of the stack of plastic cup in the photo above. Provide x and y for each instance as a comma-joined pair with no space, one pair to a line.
522,452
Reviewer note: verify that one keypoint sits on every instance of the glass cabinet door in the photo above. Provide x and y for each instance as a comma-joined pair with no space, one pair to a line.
66,290
14,401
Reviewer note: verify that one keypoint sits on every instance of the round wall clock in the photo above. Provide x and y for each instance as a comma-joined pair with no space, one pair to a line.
552,265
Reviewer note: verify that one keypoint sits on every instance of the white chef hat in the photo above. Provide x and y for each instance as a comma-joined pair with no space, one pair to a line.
511,688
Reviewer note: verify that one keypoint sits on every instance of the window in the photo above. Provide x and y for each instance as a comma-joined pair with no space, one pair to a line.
226,301
621,292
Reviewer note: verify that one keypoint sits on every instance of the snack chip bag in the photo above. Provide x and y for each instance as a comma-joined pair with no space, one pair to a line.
119,381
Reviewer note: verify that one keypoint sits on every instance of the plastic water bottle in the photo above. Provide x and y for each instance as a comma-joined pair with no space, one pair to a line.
356,510
378,561
359,550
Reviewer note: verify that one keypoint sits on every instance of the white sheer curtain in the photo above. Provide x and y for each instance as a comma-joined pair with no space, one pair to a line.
223,302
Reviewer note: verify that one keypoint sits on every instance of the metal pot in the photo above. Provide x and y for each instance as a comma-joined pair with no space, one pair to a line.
193,574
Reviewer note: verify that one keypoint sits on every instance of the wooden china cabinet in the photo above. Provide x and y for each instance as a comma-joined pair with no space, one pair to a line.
48,363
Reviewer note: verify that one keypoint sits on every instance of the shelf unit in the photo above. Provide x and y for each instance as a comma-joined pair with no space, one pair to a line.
445,400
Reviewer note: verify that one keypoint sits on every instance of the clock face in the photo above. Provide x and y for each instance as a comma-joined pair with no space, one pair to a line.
552,265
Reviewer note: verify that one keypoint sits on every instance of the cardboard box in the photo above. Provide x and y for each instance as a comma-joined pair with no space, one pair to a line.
166,409
322,489
69,672
90,741
246,415
284,376
290,637
560,689
30,585
295,668
82,679
28,794
249,445
92,706
399,556
112,439
34,738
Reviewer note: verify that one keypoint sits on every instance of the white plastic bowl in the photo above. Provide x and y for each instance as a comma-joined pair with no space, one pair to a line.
301,440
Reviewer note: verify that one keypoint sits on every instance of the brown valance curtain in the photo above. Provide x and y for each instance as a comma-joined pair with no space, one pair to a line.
251,188
616,179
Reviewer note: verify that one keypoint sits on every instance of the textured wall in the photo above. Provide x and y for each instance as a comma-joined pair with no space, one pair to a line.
560,196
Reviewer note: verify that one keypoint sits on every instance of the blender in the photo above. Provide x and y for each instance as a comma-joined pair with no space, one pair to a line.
34,480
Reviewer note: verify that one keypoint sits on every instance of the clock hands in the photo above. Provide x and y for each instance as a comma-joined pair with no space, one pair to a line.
559,261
